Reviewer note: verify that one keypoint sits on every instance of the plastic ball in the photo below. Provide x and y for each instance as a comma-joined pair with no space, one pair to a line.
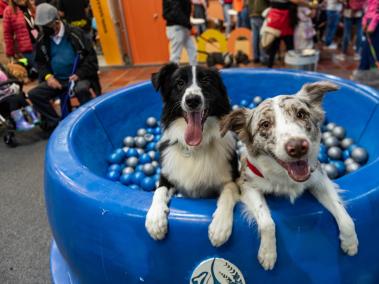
151,146
339,132
244,103
129,141
144,159
140,142
149,130
352,167
125,149
151,154
134,187
149,137
151,121
148,184
157,177
330,126
346,143
349,161
126,179
322,148
352,147
359,155
158,171
335,153
137,177
257,100
341,167
235,107
322,157
139,168
114,167
140,151
331,171
113,175
331,141
155,164
157,130
251,106
148,169
127,171
326,135
132,162
141,132
132,152
115,158
157,138
345,154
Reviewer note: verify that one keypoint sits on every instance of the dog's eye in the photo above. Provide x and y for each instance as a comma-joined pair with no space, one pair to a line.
265,124
180,83
204,80
301,114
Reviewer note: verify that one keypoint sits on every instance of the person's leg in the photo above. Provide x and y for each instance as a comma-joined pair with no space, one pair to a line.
227,18
256,27
40,97
176,37
272,52
364,64
332,23
347,24
288,40
190,47
82,92
358,40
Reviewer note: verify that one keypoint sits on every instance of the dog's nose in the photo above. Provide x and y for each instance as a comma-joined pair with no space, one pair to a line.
193,101
296,148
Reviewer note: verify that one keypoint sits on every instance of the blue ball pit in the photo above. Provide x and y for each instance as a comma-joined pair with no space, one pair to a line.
98,225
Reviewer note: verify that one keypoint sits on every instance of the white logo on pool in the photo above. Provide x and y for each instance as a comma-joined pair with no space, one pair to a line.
217,271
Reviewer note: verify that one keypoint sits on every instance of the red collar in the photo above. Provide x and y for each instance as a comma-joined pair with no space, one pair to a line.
254,169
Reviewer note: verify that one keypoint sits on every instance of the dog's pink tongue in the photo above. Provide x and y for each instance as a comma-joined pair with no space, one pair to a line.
299,171
194,132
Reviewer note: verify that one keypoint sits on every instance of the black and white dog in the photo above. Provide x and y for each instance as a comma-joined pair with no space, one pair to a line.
282,138
195,160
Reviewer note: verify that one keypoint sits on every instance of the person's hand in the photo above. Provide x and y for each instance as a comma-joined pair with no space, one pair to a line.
53,83
74,78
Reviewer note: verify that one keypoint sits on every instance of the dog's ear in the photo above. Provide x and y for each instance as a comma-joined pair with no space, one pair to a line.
314,92
162,77
234,121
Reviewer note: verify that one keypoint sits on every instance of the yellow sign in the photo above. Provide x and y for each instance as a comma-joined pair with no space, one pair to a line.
107,32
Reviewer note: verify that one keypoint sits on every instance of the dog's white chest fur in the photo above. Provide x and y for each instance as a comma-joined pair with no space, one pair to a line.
204,167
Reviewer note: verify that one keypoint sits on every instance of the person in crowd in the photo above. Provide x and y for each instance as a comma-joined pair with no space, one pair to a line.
20,33
370,44
178,29
304,30
242,7
76,12
226,6
352,16
200,12
3,5
59,49
256,8
333,13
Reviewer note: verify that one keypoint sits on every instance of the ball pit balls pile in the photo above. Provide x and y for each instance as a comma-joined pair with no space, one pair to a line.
137,163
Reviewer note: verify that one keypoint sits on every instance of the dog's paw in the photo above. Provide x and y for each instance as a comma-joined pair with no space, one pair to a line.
349,243
156,221
267,256
220,229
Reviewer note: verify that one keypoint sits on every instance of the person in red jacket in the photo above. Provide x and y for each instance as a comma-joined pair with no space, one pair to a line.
19,31
3,5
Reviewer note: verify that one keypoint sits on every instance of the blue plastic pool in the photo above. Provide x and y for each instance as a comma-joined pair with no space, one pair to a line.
98,225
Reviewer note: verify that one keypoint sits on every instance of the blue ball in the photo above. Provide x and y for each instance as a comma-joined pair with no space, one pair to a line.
139,168
244,103
137,177
251,106
345,154
158,171
144,159
126,179
157,130
322,157
114,168
150,146
157,177
132,152
113,175
115,158
120,151
134,187
323,148
341,168
157,138
148,184
150,130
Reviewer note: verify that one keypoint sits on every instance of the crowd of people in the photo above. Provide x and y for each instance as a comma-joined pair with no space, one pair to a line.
55,40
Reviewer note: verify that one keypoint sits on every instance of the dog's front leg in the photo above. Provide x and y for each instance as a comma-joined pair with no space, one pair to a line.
256,205
222,220
326,193
156,218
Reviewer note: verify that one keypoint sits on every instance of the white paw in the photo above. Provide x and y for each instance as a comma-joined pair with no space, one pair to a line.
156,221
349,243
220,229
267,255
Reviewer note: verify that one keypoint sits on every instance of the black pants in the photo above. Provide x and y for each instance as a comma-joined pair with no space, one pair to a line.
12,103
288,40
42,95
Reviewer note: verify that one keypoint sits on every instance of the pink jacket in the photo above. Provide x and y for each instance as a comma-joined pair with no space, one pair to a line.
371,17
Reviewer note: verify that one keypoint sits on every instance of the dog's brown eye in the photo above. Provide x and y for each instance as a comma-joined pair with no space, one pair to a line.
180,83
265,124
301,114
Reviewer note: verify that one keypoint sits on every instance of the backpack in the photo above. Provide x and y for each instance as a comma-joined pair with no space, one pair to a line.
357,4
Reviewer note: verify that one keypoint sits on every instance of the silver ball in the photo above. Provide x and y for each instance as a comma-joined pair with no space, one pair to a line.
140,142
335,153
125,149
346,143
148,137
331,171
127,171
349,161
352,167
151,121
129,141
234,107
326,135
148,169
330,126
331,141
155,164
339,132
140,151
359,155
132,162
141,132
257,100
151,154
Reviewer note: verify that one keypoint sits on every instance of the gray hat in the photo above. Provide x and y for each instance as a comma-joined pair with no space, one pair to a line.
45,13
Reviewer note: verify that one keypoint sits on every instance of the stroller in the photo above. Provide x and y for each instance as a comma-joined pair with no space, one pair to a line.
15,113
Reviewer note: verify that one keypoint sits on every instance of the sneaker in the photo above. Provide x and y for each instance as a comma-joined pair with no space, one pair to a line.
332,46
357,56
341,57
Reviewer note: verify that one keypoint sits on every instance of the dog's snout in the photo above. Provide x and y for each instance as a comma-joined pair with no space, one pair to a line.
193,101
296,148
